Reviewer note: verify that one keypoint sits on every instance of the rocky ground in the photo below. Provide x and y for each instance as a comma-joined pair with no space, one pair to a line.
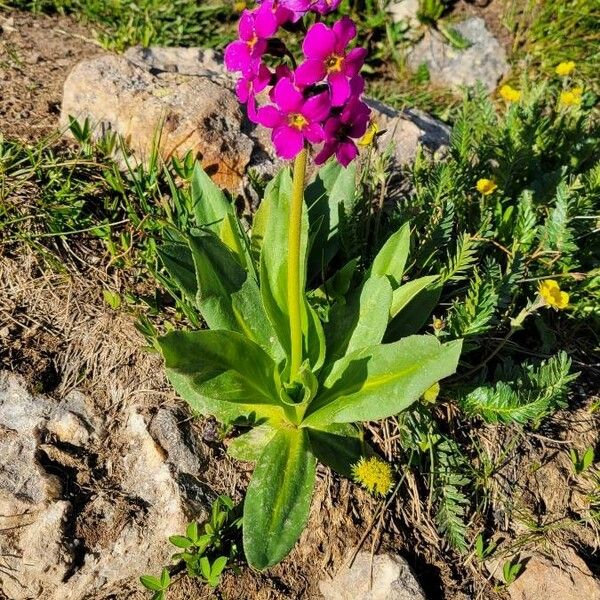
100,463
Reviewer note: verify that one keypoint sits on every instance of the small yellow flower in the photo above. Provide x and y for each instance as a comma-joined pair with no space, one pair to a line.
239,6
571,97
438,324
565,68
509,93
552,294
486,186
430,394
374,474
369,137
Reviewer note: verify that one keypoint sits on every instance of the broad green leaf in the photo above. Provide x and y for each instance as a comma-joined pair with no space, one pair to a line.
414,314
234,237
332,188
407,292
228,297
208,201
274,276
339,283
339,446
250,445
177,259
391,259
381,381
180,541
361,319
212,368
218,566
278,498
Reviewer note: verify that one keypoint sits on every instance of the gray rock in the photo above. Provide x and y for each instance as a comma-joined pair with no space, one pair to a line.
381,577
405,11
484,61
87,504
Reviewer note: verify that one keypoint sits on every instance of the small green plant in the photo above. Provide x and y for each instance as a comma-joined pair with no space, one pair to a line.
203,554
581,463
484,550
511,570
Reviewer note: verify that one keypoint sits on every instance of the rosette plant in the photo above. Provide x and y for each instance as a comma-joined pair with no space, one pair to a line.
294,353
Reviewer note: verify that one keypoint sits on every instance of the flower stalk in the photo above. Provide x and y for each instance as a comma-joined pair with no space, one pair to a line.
294,272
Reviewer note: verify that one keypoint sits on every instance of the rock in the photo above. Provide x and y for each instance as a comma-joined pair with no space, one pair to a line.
484,61
381,577
405,11
192,113
566,578
87,505
188,91
407,130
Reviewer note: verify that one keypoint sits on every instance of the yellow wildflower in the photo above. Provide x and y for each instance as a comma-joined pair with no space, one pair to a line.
369,137
552,294
486,186
430,394
374,474
239,6
565,68
571,97
509,93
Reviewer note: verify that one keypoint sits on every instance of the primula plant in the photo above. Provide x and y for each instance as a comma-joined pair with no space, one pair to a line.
293,356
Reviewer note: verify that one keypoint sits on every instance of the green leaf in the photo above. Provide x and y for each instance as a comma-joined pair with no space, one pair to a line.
180,541
227,296
413,315
381,381
234,237
212,369
407,292
332,188
165,578
250,445
274,277
338,446
278,498
179,263
191,531
205,567
151,583
209,203
218,566
391,259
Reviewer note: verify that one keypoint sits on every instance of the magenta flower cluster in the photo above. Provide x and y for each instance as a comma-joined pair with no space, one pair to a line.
315,102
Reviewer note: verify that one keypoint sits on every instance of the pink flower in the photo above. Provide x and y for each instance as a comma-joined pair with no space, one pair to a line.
243,54
272,14
325,6
295,120
251,83
325,50
341,131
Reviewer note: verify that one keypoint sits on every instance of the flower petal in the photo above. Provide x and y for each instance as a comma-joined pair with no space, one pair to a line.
345,30
317,107
246,26
288,141
328,151
309,72
269,116
237,56
346,153
319,42
314,133
340,88
354,61
266,23
287,97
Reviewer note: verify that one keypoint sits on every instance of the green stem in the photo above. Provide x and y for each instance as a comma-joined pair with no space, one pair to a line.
294,276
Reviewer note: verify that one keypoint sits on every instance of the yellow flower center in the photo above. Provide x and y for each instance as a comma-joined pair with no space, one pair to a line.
552,294
252,42
334,63
297,121
374,474
571,97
